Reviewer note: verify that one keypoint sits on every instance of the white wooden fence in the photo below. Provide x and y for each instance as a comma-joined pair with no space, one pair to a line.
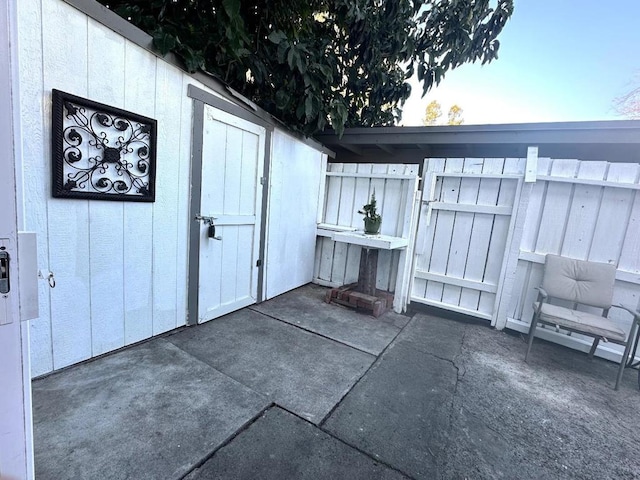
348,187
584,210
467,218
483,233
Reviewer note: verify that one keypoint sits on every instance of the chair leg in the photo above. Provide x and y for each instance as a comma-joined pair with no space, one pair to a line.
532,331
594,345
623,362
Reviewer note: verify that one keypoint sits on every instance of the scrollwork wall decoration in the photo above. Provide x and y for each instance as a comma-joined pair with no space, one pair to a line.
101,152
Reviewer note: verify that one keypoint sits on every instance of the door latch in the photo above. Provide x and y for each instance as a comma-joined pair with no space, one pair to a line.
4,271
211,233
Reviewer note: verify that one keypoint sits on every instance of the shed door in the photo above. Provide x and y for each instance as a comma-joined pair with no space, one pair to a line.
231,199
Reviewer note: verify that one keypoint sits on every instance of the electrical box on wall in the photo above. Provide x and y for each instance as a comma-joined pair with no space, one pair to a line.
26,261
28,265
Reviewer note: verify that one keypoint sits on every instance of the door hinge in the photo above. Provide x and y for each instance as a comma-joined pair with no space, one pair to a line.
259,263
263,180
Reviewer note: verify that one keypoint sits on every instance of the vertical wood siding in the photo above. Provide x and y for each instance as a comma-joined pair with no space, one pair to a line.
121,268
296,172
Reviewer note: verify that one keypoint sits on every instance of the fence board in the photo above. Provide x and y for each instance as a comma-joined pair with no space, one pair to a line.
345,201
583,212
497,227
443,229
534,210
630,254
361,197
480,237
556,208
503,235
614,215
385,204
463,226
424,240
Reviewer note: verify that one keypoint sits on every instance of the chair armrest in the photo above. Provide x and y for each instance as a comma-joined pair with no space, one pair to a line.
635,313
542,297
542,292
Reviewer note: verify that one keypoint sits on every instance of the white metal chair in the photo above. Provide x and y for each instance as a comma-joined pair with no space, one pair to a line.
583,283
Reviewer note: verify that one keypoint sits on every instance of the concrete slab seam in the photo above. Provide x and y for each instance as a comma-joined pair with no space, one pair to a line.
228,440
312,332
355,447
326,417
455,388
262,394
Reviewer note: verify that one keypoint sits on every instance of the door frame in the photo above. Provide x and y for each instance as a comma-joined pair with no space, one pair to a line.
16,443
200,99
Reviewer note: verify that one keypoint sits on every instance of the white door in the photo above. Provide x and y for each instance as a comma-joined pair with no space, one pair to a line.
231,202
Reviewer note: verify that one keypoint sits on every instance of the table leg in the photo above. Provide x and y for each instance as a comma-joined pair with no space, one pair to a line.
368,271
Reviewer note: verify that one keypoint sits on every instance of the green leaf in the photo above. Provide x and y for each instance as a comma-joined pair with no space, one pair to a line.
277,37
231,7
308,107
291,57
282,99
163,41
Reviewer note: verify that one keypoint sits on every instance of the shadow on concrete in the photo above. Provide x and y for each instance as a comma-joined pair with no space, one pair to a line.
296,388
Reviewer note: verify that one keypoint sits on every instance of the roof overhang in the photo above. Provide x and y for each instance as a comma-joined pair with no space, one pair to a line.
613,141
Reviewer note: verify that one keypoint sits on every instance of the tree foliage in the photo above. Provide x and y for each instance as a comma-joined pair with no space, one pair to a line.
434,111
454,117
309,62
628,105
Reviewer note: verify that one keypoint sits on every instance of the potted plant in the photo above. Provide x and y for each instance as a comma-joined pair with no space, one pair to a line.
371,218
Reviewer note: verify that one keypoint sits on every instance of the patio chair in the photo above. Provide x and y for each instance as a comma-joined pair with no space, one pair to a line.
583,283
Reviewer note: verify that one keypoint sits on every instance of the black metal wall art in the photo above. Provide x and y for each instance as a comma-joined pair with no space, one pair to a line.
101,152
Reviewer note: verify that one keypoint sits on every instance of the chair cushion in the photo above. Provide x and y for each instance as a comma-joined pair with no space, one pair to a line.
580,321
590,283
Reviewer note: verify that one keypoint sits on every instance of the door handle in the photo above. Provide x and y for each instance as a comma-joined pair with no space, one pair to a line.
4,271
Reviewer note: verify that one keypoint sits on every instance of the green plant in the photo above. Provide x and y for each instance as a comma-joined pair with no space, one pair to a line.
372,219
369,210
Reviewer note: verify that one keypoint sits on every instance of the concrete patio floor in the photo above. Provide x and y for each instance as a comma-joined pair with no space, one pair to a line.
295,388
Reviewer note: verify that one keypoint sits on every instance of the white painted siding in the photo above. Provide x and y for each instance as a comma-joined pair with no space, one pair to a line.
121,268
296,173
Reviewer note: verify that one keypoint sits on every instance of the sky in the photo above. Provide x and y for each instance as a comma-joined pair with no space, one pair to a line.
559,60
